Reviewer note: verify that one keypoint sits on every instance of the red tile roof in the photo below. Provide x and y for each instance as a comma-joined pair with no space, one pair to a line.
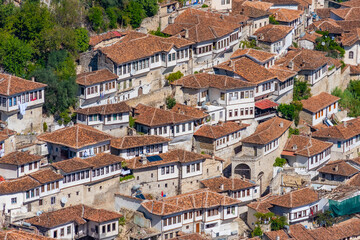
91,78
272,33
265,104
282,73
18,185
137,141
10,85
150,116
268,131
205,80
94,40
296,198
318,102
345,130
46,175
220,130
277,235
106,109
347,13
286,15
223,184
198,199
247,69
14,234
305,146
19,158
79,214
253,54
339,167
189,111
77,136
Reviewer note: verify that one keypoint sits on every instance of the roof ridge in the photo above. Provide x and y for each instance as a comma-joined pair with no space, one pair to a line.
9,84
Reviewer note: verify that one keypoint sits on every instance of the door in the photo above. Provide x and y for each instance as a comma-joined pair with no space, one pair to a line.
198,227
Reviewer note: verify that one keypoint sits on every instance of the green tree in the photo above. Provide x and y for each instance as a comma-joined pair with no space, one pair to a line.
6,11
328,44
272,20
82,37
174,76
135,12
15,55
170,102
279,162
150,6
257,232
113,15
68,13
325,219
293,131
96,18
278,223
301,90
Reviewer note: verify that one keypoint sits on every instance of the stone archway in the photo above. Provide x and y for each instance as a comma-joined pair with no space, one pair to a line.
243,170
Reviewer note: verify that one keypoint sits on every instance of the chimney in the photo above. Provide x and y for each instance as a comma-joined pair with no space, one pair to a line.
345,124
277,237
222,186
186,33
291,65
143,160
171,20
33,79
281,124
294,147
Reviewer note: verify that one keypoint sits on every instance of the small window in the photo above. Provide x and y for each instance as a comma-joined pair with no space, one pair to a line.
103,229
351,55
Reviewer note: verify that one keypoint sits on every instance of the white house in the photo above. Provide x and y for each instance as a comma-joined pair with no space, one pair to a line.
110,118
97,87
76,222
289,17
306,153
76,141
134,146
319,108
262,58
21,103
276,38
203,89
18,164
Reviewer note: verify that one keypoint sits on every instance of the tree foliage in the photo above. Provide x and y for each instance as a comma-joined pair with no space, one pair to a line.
290,111
325,219
272,20
328,44
170,102
278,223
257,232
349,98
279,162
301,90
174,76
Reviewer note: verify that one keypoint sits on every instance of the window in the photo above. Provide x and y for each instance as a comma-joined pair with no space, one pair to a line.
222,96
53,200
68,230
113,226
351,55
22,168
103,229
108,227
55,234
62,232
13,200
40,202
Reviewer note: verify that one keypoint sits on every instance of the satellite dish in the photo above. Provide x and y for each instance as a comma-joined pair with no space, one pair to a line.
64,200
38,213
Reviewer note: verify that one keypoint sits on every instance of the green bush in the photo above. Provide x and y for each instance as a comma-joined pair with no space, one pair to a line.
293,131
159,33
170,102
122,221
45,126
272,20
257,232
126,177
131,122
96,18
279,162
204,6
174,76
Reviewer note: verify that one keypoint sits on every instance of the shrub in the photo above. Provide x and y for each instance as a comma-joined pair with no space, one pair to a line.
279,162
126,177
170,102
122,221
131,122
204,6
257,232
293,131
174,76
45,126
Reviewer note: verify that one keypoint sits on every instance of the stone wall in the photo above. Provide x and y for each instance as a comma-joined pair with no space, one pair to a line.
155,99
32,121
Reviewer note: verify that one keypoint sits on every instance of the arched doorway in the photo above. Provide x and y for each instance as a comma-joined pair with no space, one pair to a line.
259,180
140,91
243,170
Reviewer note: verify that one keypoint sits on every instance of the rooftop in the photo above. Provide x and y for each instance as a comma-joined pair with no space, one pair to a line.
286,15
79,214
198,199
127,48
72,165
18,185
173,156
253,54
19,158
77,136
150,116
296,198
201,25
268,131
94,40
46,175
189,111
339,167
305,146
342,131
106,109
91,78
222,184
220,130
14,234
265,104
272,33
347,13
137,141
10,85
247,69
318,102
310,37
205,80
256,9
282,73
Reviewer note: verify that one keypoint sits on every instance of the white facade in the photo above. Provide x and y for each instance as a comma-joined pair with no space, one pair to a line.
152,149
97,94
12,171
326,112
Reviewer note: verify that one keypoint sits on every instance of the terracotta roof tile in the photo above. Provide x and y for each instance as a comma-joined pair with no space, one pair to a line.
18,185
10,85
253,54
205,80
190,236
349,39
282,73
339,167
263,204
351,3
341,131
277,235
327,24
174,156
286,15
310,37
265,6
296,198
103,159
354,70
251,9
137,141
220,130
189,111
94,40
272,33
347,13
106,109
306,146
299,232
247,69
265,104
202,26
127,49
78,214
222,184
91,78
72,165
14,234
19,158
323,12
354,180
268,131
77,136
197,199
46,175
150,116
